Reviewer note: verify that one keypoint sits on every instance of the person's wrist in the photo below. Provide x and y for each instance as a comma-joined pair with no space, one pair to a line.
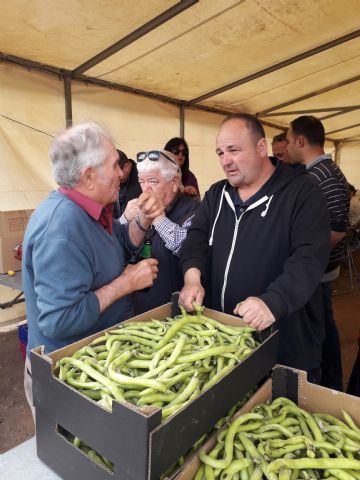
142,224
158,219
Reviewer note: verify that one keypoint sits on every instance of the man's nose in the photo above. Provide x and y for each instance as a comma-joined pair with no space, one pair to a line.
146,187
226,158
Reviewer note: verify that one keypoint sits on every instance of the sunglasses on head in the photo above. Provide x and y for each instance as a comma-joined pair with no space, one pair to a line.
177,151
153,155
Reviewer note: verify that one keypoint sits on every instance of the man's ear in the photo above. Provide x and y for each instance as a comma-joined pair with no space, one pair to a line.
176,184
262,147
87,178
300,141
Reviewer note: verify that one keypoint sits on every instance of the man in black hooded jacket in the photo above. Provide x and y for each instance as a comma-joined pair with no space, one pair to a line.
260,244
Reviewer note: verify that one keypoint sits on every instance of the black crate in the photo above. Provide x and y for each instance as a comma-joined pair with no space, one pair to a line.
140,447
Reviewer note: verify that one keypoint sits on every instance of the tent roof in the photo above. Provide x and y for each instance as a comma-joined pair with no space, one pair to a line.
276,58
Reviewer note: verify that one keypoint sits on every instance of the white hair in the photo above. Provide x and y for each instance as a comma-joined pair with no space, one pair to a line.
77,148
168,169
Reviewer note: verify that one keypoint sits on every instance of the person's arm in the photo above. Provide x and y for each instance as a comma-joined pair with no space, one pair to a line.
63,282
129,213
192,291
149,207
193,256
172,233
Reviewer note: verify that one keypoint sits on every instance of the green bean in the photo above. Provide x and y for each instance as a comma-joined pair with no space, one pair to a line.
350,421
200,473
188,391
256,474
235,466
114,389
340,474
229,440
317,463
159,354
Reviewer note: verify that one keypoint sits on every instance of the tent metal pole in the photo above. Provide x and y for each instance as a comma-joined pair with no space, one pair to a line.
344,128
277,66
182,121
314,93
337,154
68,101
349,108
135,35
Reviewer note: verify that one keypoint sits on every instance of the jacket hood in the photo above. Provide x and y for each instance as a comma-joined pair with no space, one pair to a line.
283,175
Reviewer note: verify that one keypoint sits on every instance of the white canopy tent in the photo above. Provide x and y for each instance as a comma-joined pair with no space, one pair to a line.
153,69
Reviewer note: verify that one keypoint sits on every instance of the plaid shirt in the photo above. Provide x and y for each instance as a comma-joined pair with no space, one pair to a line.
171,233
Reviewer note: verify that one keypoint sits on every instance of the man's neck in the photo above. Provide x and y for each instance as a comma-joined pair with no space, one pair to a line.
247,191
312,154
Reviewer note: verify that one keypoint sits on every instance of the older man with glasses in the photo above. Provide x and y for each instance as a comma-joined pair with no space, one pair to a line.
160,174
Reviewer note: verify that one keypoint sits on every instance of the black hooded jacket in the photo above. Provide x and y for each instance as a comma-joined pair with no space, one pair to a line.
276,250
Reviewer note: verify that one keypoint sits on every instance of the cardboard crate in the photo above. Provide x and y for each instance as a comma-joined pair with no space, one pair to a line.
293,384
140,447
12,229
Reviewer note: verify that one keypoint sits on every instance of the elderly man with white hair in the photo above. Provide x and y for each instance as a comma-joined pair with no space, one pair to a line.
74,274
160,175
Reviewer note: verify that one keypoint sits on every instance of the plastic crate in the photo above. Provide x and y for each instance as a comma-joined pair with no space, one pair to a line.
23,339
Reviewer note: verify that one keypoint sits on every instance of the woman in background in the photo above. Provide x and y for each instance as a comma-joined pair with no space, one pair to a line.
180,149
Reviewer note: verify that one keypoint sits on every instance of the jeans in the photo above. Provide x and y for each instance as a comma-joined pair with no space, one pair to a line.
331,370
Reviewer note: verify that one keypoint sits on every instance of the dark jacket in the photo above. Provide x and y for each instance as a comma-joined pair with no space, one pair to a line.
128,191
277,250
169,277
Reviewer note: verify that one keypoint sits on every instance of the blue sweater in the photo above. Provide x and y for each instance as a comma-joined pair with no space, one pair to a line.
66,256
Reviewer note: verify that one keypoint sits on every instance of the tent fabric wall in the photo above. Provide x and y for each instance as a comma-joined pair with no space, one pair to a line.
32,110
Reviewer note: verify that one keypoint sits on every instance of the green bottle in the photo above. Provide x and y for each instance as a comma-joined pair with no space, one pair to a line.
146,250
146,253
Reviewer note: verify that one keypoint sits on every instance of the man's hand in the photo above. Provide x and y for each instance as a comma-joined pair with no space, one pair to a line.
131,209
192,290
255,313
149,207
190,190
141,275
134,277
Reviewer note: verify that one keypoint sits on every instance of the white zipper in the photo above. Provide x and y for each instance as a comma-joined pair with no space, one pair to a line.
237,222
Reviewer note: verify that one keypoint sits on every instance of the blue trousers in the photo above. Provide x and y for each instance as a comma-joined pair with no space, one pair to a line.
331,370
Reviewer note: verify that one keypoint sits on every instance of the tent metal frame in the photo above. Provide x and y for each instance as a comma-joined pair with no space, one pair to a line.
78,74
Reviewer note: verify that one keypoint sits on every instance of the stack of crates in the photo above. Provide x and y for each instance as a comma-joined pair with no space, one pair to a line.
23,339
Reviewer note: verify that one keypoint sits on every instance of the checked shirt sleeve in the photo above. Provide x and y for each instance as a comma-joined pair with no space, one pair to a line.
173,234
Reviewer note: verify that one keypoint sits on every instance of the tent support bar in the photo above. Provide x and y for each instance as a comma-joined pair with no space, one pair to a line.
344,128
310,110
278,66
337,154
135,35
312,94
182,121
68,101
332,115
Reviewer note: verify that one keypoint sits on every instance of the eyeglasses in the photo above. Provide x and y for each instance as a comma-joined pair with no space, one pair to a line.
177,151
154,156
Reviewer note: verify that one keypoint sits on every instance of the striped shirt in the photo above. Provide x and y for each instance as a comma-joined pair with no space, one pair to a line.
334,187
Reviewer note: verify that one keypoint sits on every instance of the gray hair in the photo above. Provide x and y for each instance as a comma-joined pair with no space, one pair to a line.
168,169
76,148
